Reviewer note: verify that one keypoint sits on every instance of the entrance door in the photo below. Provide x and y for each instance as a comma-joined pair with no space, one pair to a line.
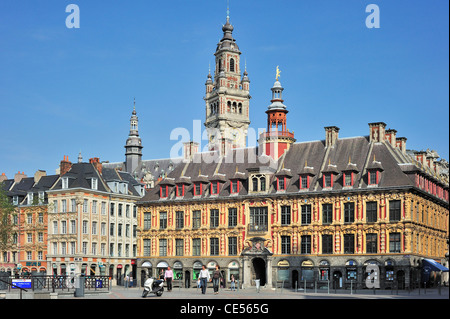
259,270
187,279
337,280
401,279
295,279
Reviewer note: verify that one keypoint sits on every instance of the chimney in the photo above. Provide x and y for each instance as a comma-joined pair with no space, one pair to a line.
331,135
391,137
421,157
3,177
65,165
96,162
377,132
190,149
38,175
401,143
18,177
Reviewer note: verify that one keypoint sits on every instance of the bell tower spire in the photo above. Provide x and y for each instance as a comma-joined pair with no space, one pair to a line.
227,95
133,146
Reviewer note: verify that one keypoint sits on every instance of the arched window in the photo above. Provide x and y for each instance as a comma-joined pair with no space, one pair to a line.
229,106
231,65
240,108
233,109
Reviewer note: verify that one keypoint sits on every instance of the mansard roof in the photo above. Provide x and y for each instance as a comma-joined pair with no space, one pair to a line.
396,167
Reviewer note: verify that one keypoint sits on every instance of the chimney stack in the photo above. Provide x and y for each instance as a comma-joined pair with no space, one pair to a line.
331,135
96,162
18,177
377,132
190,149
38,175
3,177
391,137
65,165
401,143
421,157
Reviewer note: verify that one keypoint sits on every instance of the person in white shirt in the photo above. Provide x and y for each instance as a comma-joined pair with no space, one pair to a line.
204,278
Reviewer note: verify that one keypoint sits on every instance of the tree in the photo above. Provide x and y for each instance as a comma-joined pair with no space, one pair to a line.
7,212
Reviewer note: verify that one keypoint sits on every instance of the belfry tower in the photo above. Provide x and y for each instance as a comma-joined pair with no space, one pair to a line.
227,96
133,146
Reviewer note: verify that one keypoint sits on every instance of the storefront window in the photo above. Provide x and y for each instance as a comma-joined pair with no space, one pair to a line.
233,269
196,270
177,271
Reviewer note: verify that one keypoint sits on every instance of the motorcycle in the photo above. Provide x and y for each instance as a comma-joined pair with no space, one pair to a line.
154,286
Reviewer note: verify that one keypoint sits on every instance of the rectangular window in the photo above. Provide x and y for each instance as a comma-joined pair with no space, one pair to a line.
371,212
112,209
179,247
147,247
94,207
85,206
281,184
258,219
304,182
234,187
147,221
327,213
111,229
232,217
63,227
119,211
196,219
349,212
373,178
198,189
285,215
162,220
306,214
305,247
371,243
349,244
232,246
327,180
73,204
85,227
394,243
348,180
163,191
196,246
214,218
163,247
179,219
395,210
214,249
327,244
214,188
285,244
180,190
73,227
63,206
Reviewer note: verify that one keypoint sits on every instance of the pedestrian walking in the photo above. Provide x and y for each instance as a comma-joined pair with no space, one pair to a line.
168,277
217,276
232,283
204,278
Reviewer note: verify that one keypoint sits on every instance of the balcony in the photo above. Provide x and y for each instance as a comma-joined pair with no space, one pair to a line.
277,134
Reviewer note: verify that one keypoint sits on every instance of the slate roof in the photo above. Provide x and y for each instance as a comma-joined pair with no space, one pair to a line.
354,154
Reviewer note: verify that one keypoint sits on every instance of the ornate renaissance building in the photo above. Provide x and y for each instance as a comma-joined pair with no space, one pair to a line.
289,212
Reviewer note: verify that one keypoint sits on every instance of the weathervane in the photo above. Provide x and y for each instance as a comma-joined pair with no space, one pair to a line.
278,73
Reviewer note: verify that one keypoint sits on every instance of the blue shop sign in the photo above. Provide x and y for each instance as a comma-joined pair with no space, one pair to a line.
21,283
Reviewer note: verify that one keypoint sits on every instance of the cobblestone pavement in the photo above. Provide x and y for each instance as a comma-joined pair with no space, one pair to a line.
252,294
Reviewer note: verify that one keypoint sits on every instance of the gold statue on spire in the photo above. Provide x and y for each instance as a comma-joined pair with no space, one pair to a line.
278,73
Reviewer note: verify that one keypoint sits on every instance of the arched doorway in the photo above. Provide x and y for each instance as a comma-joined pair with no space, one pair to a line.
259,270
337,280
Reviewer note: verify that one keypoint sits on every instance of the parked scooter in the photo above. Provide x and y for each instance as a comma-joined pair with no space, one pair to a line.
153,286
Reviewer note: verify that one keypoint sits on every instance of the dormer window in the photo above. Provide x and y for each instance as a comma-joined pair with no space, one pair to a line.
198,189
41,197
234,186
164,191
305,176
30,198
94,183
327,180
215,186
258,183
349,174
65,183
281,185
180,190
15,200
304,182
373,177
348,179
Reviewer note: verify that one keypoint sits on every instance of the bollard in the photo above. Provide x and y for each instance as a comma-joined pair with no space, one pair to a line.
315,286
296,285
305,287
424,288
351,287
328,286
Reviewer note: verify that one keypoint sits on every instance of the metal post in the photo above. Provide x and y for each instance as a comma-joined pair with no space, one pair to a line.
328,285
304,287
296,285
424,288
315,286
351,287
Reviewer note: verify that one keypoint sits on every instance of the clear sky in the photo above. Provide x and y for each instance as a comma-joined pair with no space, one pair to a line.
65,90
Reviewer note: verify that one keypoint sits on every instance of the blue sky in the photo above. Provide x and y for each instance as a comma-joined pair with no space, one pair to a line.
65,90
